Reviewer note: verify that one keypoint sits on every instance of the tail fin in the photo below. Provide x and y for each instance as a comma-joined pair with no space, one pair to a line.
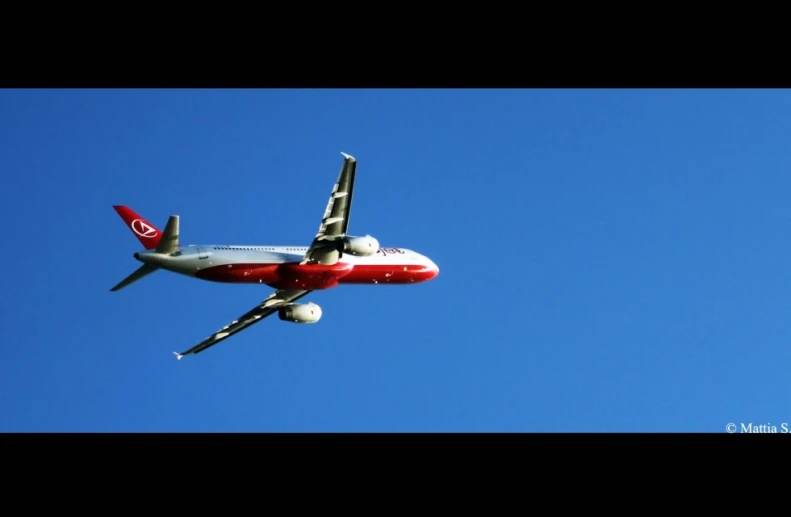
148,234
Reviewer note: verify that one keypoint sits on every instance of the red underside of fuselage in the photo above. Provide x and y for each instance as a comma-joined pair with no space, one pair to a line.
316,276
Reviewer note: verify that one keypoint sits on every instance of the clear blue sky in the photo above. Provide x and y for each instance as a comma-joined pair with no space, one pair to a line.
611,260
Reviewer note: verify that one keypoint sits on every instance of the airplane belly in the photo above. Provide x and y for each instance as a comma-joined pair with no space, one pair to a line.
241,273
310,276
388,274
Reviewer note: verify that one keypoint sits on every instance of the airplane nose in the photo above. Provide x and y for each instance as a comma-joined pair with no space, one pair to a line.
433,268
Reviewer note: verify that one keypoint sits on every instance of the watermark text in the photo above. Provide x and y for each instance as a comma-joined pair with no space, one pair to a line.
758,427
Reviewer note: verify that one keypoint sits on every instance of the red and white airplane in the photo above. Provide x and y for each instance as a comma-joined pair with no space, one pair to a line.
333,258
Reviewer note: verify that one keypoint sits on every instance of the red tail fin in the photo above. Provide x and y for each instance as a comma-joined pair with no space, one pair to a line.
146,233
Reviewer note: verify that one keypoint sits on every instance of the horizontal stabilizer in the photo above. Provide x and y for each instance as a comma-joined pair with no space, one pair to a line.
169,243
142,271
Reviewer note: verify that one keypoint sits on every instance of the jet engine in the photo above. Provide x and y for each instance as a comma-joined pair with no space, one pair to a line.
358,246
300,313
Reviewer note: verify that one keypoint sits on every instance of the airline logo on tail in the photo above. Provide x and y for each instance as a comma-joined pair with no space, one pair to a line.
148,234
142,229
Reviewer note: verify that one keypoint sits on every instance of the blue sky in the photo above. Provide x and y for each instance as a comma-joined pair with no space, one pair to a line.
611,260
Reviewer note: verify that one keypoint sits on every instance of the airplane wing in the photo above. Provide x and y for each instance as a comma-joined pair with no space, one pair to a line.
261,311
336,217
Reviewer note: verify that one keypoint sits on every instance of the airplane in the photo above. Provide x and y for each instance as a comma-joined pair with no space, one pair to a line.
333,258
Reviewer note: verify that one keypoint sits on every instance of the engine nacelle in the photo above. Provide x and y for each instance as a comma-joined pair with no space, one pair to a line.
300,313
358,246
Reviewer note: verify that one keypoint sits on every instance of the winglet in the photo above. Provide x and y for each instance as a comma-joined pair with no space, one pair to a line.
348,156
178,355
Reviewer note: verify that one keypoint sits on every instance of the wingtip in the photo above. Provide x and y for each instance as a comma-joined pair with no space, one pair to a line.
348,156
178,355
